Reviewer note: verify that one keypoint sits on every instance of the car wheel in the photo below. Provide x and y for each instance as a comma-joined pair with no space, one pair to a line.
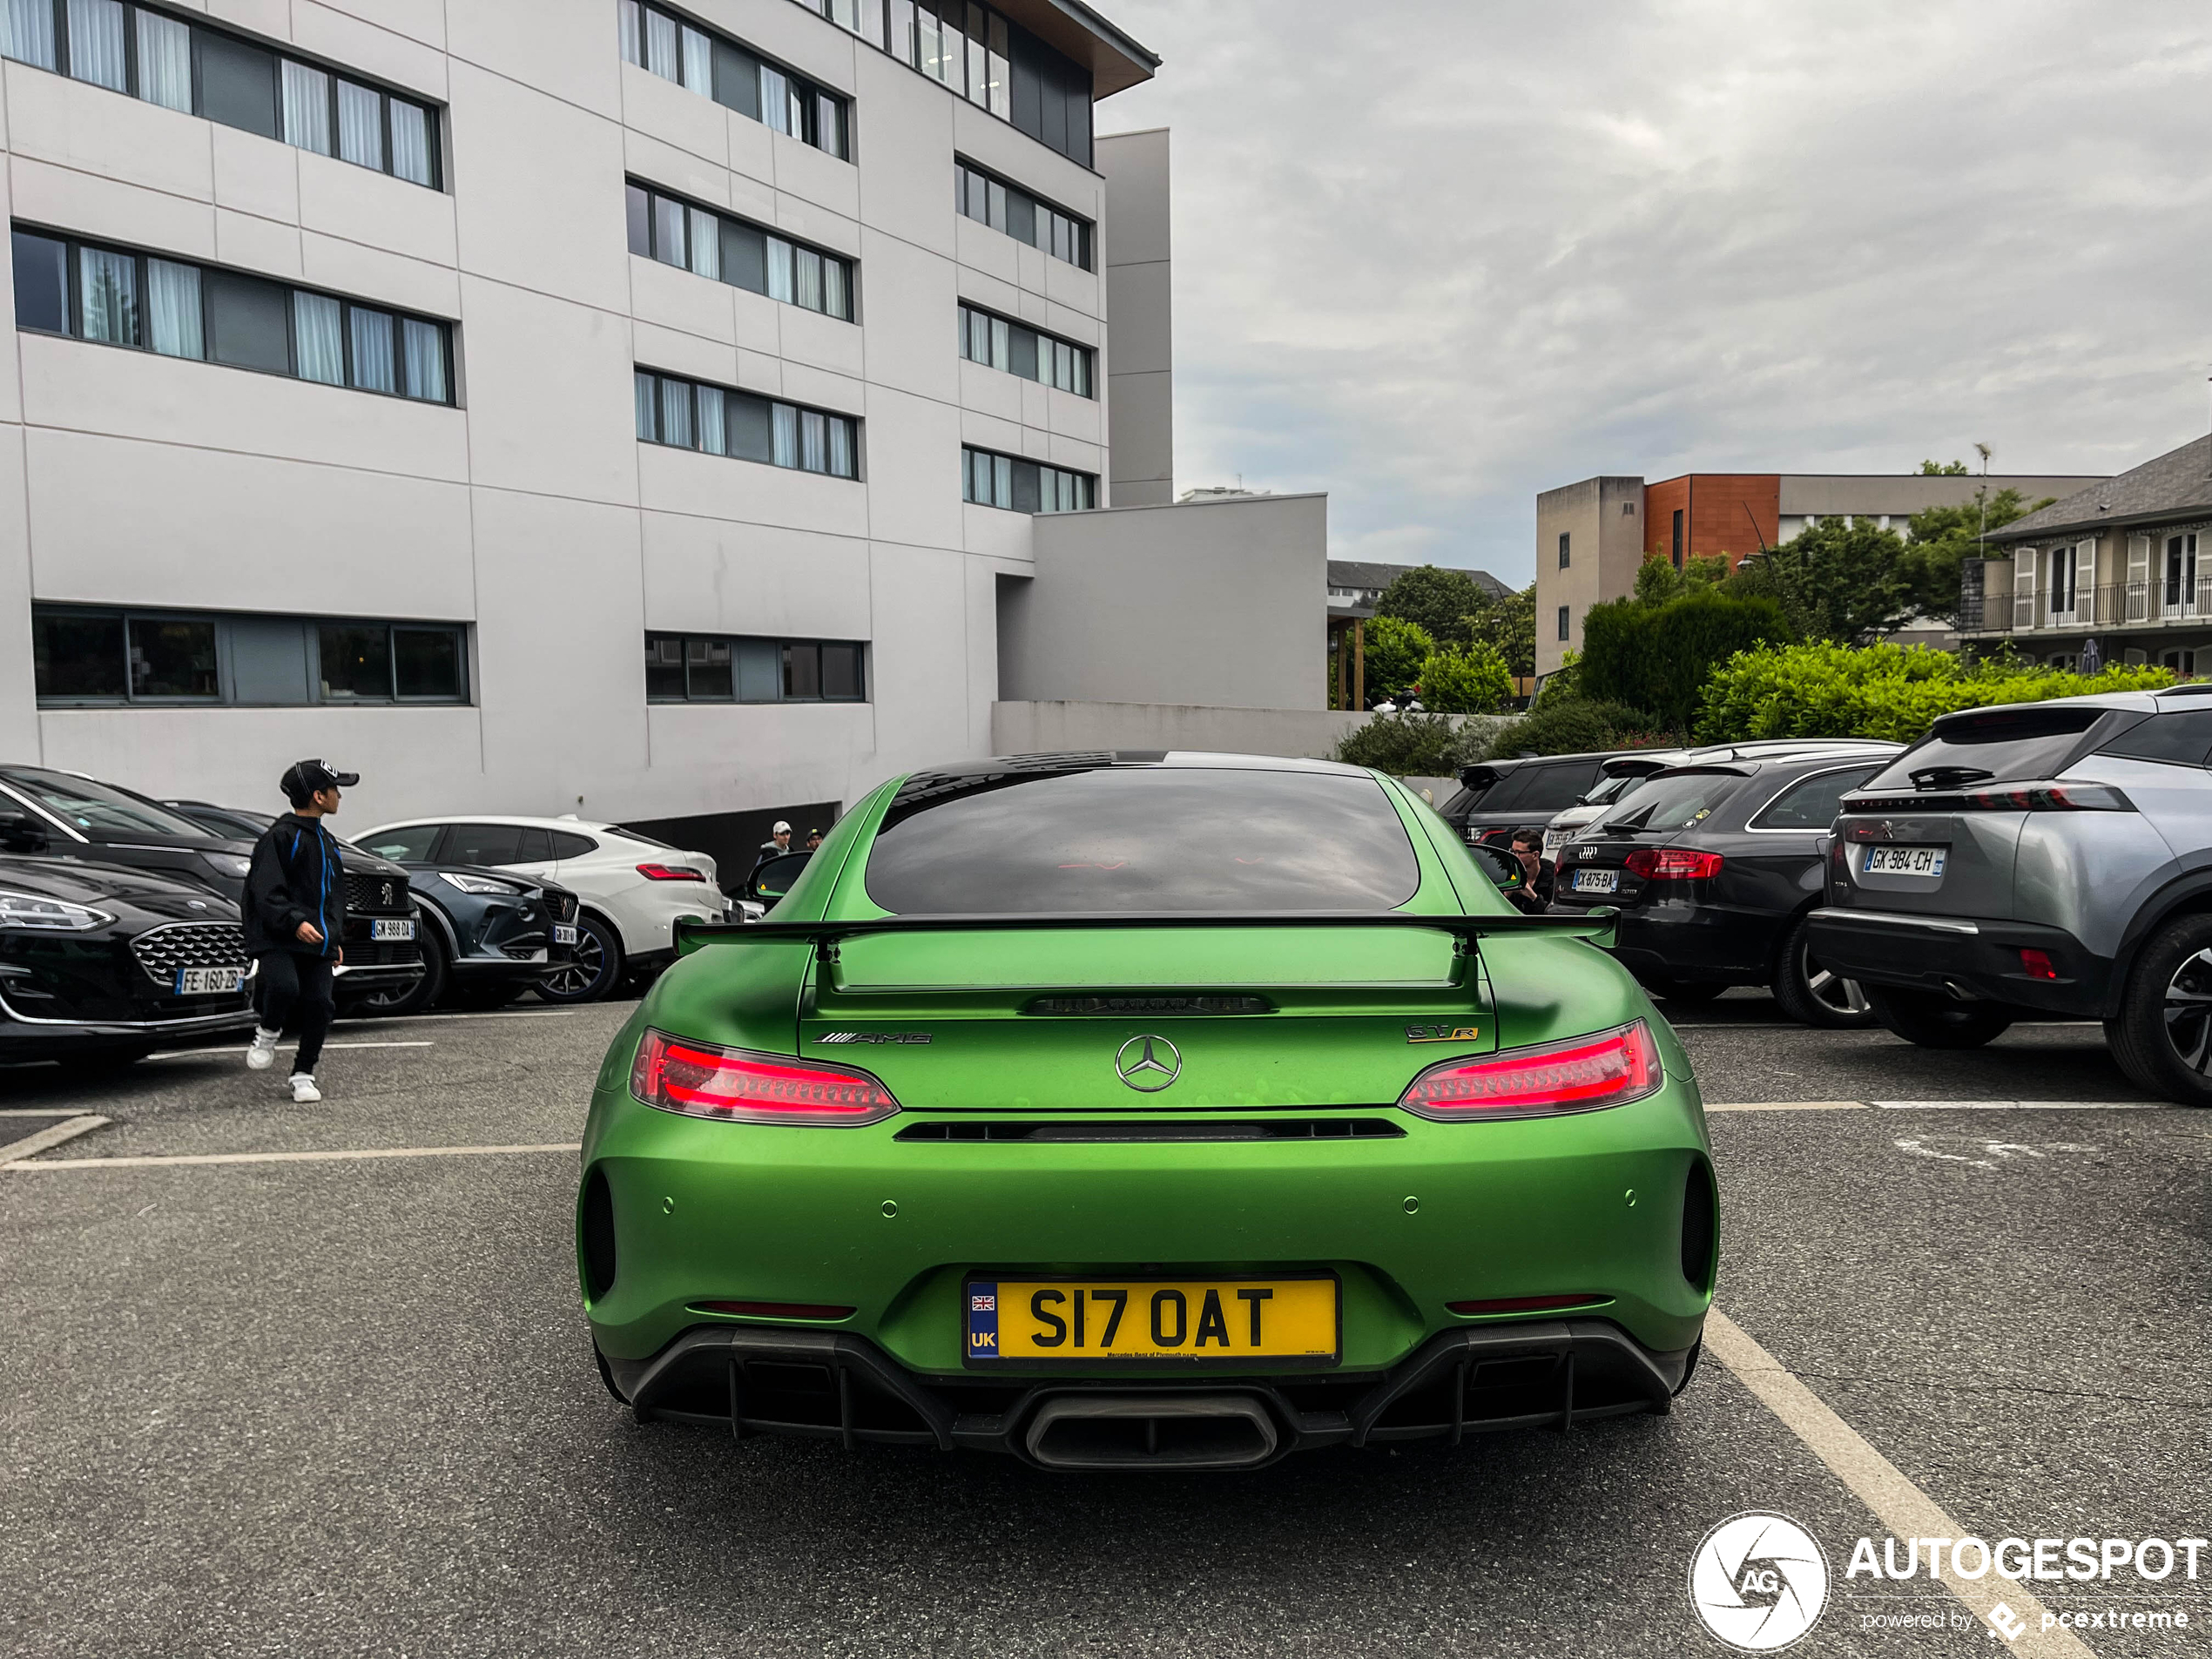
2165,1023
1933,1021
1687,991
594,971
1811,994
417,996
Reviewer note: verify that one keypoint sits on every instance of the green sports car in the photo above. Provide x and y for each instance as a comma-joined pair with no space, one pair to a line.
1145,1112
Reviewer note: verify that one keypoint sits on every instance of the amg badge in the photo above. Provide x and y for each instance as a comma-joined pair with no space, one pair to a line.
872,1036
1442,1033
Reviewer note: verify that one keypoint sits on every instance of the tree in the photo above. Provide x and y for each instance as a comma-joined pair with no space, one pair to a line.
1843,579
1472,680
1956,470
1396,649
1508,624
1655,658
1941,538
1436,600
1657,581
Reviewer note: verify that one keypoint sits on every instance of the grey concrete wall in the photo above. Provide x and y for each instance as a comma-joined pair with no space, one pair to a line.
1606,546
1045,728
1217,604
1140,360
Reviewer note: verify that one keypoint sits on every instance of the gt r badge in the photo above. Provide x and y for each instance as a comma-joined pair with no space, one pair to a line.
1147,1064
1442,1033
872,1036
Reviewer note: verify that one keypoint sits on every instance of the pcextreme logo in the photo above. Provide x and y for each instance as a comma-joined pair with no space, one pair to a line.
1759,1581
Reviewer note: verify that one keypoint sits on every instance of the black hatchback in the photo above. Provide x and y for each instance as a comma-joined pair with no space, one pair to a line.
1714,869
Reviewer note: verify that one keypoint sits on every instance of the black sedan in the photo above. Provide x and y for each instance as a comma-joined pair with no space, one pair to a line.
107,824
1714,868
99,965
487,935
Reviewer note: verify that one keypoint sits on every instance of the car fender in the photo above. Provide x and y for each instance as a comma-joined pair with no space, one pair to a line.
600,914
436,914
2182,894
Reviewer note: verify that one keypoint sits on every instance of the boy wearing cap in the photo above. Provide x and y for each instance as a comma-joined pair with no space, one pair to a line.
294,917
775,846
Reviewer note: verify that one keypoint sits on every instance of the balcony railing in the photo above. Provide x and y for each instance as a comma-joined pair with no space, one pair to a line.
2118,604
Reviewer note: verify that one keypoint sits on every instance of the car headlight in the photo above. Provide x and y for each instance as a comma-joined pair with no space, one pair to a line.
229,864
476,883
37,915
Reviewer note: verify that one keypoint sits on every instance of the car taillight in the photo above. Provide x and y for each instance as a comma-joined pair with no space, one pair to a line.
671,872
737,1086
1671,864
1610,1070
2004,797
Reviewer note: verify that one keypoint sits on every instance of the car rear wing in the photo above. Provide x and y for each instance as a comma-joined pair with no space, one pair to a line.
1595,924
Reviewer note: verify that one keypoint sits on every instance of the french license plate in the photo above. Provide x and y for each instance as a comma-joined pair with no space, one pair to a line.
564,934
1904,860
209,981
1597,881
1047,1322
1552,840
391,930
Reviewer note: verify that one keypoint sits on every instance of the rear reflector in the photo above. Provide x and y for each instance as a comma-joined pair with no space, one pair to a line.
1671,864
777,1310
671,872
735,1085
2037,964
1528,1303
1610,1070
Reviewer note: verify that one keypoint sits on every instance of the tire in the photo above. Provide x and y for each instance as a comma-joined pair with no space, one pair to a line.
2164,1029
1688,992
598,969
1935,1022
1810,994
419,996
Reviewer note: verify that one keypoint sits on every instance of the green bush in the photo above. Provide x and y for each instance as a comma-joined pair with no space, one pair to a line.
1570,725
1656,659
1395,651
1472,680
1405,745
1437,601
1890,691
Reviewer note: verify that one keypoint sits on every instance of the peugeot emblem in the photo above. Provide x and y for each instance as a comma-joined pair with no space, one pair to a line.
1147,1064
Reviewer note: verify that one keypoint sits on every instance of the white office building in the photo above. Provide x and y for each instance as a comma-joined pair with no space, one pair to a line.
654,412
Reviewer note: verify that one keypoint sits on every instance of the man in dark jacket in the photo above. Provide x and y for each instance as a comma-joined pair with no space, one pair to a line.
294,918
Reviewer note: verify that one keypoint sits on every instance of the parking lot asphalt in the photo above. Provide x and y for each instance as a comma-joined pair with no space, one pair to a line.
347,1407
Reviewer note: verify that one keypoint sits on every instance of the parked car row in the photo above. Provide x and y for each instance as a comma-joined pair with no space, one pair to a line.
119,915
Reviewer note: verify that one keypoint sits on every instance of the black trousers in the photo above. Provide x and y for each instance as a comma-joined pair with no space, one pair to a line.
293,984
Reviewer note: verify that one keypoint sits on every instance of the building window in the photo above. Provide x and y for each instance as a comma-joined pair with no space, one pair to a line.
1562,548
712,668
993,480
709,244
81,656
716,421
996,343
990,200
980,56
122,298
1677,543
1628,509
714,65
186,66
1562,622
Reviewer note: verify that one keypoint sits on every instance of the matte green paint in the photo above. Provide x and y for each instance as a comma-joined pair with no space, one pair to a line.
853,1218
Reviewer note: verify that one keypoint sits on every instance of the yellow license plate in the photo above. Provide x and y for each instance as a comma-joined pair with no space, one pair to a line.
1275,1321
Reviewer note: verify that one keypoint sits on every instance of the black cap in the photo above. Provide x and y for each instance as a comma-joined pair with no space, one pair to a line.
302,778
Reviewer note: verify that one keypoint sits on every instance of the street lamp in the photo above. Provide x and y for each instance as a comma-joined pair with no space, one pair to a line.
1981,551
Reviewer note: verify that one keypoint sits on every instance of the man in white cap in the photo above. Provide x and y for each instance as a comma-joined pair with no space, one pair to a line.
775,846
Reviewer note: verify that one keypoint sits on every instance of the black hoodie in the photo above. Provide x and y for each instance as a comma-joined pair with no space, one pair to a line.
297,876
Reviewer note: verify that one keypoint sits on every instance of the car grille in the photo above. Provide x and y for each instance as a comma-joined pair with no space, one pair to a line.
563,905
524,953
162,951
384,953
369,893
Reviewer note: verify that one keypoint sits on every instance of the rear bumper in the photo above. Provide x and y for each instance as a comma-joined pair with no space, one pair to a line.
1962,956
1692,942
828,1385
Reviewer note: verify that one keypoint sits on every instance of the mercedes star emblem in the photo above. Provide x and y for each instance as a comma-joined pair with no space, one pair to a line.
1148,1064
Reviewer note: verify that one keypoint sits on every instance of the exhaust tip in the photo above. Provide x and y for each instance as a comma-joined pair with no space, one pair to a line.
1179,1432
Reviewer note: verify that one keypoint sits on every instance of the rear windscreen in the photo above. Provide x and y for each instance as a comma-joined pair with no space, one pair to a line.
1673,800
2000,746
1109,839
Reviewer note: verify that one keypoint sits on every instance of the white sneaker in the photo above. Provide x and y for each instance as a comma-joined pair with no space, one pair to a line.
261,1052
304,1092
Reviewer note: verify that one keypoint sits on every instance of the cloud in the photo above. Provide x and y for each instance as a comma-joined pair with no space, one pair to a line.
1435,257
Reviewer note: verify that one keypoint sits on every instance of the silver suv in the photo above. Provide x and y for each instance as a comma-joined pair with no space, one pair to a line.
2052,857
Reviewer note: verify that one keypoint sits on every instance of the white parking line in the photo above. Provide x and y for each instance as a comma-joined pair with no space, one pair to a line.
1878,1483
285,1157
1786,1106
225,1053
1941,1105
40,1140
487,1014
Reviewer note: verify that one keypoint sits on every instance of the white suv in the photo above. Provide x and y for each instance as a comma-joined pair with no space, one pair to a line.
634,888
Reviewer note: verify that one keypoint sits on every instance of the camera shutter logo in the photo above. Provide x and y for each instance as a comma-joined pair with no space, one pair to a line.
1759,1581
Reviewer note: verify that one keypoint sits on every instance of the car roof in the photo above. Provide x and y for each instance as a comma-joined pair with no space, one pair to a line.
1752,765
519,820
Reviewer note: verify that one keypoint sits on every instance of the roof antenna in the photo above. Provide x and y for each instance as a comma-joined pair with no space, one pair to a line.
1755,530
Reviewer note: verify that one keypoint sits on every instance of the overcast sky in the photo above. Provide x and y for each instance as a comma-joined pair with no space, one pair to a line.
1433,257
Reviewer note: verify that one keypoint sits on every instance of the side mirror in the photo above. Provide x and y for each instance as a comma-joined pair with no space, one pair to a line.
1503,869
20,832
772,877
